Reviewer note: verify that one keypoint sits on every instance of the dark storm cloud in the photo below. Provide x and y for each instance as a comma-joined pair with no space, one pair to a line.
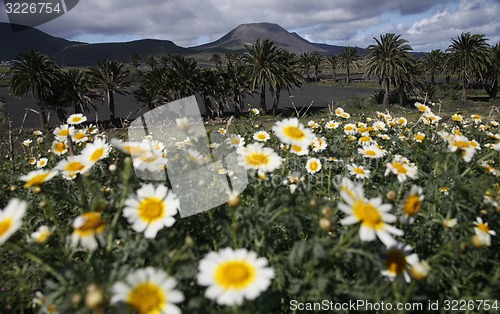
356,22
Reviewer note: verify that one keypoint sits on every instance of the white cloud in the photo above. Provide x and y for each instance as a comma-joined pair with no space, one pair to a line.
427,24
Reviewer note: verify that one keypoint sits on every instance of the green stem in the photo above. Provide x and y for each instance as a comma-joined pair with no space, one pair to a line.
409,291
126,174
38,261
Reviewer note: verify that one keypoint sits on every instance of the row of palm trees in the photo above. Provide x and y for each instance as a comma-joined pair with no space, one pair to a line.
264,68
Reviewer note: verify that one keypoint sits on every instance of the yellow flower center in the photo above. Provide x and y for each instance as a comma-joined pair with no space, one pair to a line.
257,159
235,141
461,144
235,275
93,224
60,147
313,165
481,226
297,148
43,237
5,225
368,214
412,205
97,154
370,153
261,136
147,298
419,137
396,262
399,167
79,136
74,166
358,170
151,209
133,149
365,139
64,132
36,180
294,132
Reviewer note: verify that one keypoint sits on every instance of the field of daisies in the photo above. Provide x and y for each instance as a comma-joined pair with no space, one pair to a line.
337,208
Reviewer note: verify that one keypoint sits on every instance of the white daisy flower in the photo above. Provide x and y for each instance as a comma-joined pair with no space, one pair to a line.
42,162
59,147
371,151
151,209
371,213
27,143
148,290
235,141
313,165
88,229
358,172
79,136
402,168
256,156
234,275
11,218
291,131
98,150
261,136
41,235
76,118
319,144
398,261
410,206
299,150
37,177
62,132
73,165
482,227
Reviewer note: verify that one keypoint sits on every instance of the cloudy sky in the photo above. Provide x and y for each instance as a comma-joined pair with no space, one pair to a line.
426,24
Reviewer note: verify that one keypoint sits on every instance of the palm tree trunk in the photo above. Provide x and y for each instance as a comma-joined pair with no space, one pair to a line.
386,91
111,104
348,75
464,88
43,117
334,77
276,101
263,98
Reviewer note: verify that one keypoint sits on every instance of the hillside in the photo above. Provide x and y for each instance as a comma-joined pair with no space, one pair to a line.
13,43
70,53
86,54
236,39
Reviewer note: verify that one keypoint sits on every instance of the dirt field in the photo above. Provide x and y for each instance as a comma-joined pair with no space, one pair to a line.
126,106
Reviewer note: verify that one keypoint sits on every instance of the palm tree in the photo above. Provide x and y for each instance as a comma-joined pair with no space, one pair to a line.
34,73
262,59
493,73
183,75
316,60
288,78
112,77
349,58
216,60
432,63
78,91
333,61
388,59
468,56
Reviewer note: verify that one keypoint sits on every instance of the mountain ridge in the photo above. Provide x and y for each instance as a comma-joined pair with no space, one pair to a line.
72,53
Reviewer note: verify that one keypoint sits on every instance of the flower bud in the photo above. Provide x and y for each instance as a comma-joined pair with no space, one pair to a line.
234,202
94,297
391,195
325,224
